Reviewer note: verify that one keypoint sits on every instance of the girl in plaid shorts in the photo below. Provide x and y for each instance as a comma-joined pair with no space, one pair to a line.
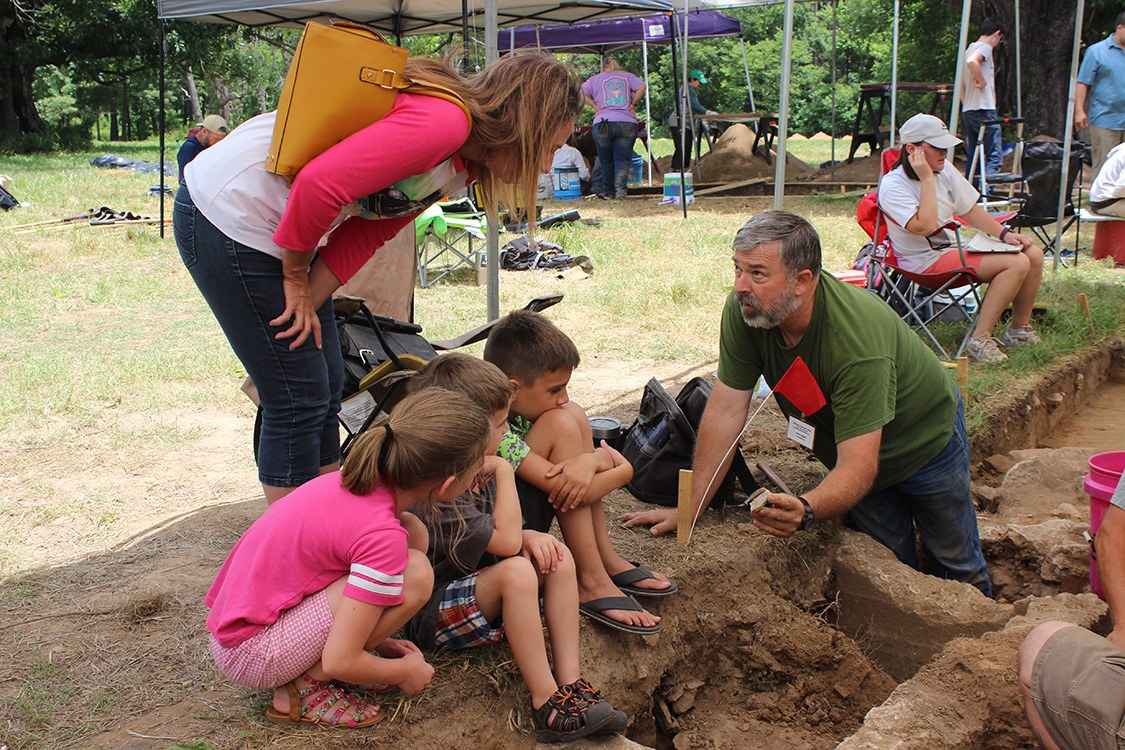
314,589
493,577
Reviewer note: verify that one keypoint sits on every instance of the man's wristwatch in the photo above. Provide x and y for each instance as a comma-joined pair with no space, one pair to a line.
807,521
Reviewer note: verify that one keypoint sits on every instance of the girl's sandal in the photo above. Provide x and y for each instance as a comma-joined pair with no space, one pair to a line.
324,696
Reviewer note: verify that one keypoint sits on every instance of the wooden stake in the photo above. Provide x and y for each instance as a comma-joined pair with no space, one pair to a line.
683,507
962,370
1084,303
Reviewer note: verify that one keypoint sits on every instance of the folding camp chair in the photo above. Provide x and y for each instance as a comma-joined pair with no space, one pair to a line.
1012,179
924,297
445,234
1042,170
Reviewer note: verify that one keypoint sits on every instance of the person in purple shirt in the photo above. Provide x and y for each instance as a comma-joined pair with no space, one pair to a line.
613,93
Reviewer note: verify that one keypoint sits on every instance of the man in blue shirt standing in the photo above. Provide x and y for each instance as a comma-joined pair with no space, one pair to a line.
212,130
1101,89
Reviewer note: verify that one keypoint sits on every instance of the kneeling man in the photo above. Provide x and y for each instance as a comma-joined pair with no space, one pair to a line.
893,431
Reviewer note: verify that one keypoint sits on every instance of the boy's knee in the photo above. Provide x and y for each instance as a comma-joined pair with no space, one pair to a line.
558,426
518,572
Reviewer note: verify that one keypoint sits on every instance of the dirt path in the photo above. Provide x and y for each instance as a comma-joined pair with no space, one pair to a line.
104,643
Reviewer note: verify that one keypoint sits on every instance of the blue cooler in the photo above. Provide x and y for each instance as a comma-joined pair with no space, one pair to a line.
565,182
637,169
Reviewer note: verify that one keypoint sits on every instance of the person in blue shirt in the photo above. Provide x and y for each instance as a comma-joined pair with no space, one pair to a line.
1099,97
212,130
695,80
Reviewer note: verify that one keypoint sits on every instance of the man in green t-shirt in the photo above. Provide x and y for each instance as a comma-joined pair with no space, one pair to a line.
892,432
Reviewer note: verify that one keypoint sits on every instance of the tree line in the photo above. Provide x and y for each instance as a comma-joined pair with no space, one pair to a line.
76,70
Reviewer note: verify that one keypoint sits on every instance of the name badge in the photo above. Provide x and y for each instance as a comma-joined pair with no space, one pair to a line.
802,432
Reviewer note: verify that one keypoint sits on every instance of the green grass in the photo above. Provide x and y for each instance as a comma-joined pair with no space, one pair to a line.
103,334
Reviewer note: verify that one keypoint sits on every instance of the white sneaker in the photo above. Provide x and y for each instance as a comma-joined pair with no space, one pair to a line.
985,350
1020,337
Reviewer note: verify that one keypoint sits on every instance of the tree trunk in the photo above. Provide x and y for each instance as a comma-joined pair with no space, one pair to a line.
126,130
262,106
17,103
1046,41
193,97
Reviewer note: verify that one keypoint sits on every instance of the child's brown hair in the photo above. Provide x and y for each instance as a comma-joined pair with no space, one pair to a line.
481,381
526,345
430,436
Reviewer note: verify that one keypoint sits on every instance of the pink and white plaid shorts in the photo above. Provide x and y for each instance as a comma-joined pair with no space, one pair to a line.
282,652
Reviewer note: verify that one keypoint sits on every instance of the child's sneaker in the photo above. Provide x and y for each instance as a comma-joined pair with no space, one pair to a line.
985,350
1020,337
566,717
584,690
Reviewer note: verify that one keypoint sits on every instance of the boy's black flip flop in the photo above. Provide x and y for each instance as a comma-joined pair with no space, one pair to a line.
594,608
625,578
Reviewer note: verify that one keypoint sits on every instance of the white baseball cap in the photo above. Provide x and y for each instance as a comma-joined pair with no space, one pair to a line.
927,129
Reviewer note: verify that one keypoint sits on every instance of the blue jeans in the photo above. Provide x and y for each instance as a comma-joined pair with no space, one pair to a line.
614,142
299,390
937,500
993,159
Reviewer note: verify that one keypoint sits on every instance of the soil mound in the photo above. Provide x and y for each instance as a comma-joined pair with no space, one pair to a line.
733,159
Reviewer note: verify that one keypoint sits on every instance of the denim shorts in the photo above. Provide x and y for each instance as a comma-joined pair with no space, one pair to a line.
299,390
937,502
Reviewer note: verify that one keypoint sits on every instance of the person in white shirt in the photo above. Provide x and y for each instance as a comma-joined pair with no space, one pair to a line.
1107,193
978,103
920,196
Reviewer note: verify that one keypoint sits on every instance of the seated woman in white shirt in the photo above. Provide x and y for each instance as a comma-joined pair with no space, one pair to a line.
920,196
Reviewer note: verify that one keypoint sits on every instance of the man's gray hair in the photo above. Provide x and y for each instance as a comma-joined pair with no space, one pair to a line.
800,244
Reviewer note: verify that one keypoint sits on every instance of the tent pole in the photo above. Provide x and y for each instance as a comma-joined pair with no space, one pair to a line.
959,78
681,105
1067,134
894,82
833,157
465,23
689,114
162,59
1019,75
648,111
491,54
746,70
783,123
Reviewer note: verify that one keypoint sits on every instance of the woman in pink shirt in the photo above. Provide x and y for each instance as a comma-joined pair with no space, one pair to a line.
309,596
267,255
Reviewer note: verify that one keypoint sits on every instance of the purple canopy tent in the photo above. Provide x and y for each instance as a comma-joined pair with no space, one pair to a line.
604,37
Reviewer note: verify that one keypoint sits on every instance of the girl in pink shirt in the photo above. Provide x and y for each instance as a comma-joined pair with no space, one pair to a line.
314,589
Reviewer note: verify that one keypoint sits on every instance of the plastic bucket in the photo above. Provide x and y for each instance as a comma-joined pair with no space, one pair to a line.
1100,483
673,182
636,168
565,182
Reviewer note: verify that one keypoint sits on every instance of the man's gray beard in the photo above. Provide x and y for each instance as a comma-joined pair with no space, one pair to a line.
772,316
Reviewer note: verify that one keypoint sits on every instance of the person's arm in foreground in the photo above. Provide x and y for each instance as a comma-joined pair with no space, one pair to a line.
722,423
857,463
1110,543
585,478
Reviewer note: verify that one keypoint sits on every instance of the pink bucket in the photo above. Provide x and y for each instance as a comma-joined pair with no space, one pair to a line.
1105,473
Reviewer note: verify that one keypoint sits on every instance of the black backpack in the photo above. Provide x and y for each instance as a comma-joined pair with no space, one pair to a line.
662,441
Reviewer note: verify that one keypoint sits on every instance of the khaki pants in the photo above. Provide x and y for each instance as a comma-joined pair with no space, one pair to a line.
1102,141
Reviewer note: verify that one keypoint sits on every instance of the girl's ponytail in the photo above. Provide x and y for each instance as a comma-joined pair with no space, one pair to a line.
431,435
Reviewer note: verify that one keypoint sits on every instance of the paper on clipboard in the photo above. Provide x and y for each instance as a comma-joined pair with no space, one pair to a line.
983,243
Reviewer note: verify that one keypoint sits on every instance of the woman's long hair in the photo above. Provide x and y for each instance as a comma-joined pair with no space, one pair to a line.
904,162
433,435
522,100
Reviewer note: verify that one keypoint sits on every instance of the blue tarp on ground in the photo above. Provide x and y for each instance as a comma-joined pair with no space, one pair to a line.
603,37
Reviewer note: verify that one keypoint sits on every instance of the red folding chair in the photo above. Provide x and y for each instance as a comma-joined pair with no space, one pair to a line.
924,297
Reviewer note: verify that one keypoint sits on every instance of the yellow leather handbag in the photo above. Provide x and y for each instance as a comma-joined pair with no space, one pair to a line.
342,78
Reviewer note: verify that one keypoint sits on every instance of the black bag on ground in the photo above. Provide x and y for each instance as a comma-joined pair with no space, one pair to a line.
368,340
662,441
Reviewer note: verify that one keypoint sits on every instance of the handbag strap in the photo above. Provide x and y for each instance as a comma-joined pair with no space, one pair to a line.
441,92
